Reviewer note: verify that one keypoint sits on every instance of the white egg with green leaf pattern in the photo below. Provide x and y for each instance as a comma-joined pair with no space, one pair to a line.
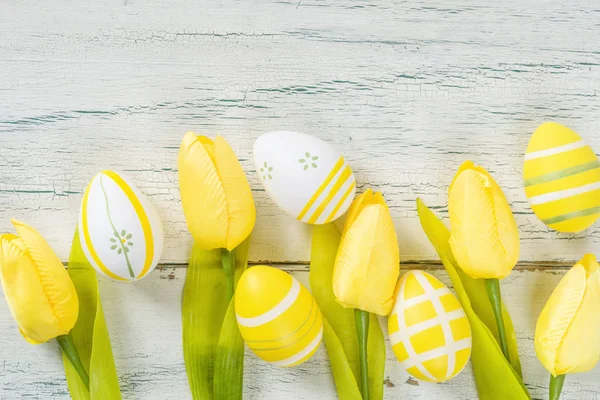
305,176
119,229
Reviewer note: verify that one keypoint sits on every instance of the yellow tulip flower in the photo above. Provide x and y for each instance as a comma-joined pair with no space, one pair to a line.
367,264
366,268
567,334
215,194
39,291
484,237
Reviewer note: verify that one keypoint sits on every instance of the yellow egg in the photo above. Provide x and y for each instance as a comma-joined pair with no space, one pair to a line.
562,178
278,318
120,230
429,331
305,176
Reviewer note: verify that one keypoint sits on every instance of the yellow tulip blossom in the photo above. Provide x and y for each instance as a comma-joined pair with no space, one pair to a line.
37,287
215,194
367,264
484,237
567,334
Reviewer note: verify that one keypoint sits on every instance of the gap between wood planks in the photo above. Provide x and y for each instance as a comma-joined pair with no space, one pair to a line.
299,266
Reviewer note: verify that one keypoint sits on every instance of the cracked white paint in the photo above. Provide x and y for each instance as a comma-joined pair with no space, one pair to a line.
406,91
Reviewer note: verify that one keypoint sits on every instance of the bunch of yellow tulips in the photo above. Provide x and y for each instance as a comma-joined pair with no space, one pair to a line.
355,277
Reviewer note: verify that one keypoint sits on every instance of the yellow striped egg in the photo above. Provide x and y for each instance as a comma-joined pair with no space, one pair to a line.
120,230
562,178
277,316
429,331
305,176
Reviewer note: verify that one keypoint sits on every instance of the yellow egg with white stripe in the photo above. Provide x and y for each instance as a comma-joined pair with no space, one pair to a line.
278,318
429,330
305,176
562,178
119,229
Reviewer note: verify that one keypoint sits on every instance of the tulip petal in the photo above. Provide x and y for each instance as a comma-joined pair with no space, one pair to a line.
240,204
32,298
556,316
580,347
202,194
367,264
53,276
484,236
361,202
30,340
356,206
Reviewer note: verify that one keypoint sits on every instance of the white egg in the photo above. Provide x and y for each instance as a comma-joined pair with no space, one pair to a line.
305,176
120,230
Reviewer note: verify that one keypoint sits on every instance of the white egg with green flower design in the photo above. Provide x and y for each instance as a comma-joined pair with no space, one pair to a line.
120,231
305,176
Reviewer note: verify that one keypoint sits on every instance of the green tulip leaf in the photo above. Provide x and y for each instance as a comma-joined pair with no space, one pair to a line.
496,378
339,332
203,314
229,359
90,335
345,381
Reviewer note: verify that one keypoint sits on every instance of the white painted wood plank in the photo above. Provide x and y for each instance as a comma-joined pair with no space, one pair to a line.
145,327
406,90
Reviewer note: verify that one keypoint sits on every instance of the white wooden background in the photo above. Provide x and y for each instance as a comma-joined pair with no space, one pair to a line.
407,90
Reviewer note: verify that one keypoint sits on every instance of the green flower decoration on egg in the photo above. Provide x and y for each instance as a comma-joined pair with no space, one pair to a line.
266,171
121,242
308,161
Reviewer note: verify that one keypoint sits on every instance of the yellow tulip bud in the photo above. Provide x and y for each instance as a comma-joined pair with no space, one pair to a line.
37,287
567,334
215,194
484,237
367,264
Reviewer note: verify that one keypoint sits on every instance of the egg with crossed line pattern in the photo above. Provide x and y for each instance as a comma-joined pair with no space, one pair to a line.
562,178
120,231
278,318
304,176
428,328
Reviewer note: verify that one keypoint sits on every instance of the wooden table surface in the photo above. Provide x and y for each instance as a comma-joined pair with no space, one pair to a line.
406,90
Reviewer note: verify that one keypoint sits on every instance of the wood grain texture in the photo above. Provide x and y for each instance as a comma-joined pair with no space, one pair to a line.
407,90
146,336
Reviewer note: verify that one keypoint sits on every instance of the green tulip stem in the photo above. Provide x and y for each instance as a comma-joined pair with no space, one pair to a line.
492,287
68,347
362,329
556,386
228,260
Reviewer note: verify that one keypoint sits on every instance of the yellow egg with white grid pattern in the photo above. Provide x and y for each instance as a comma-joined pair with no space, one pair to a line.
120,231
429,330
304,176
562,178
278,318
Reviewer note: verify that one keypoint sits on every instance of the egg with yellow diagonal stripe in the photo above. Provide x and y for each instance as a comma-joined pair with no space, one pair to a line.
278,318
562,178
428,328
119,229
304,176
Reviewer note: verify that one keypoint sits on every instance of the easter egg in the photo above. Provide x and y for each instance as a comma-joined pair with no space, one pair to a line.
562,178
278,318
305,176
429,331
119,229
